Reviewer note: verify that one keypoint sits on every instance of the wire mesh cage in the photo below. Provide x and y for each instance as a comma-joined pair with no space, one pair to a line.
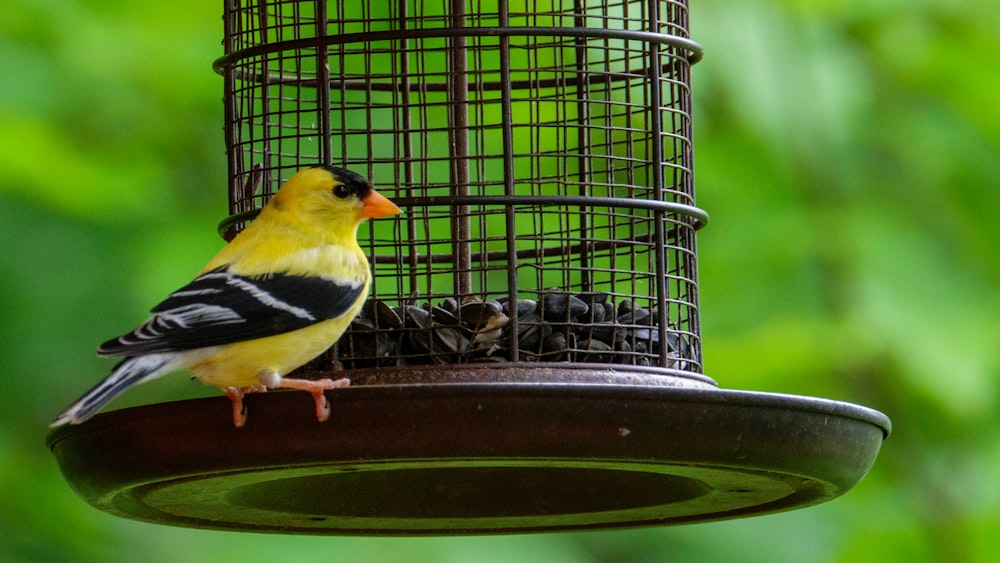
542,152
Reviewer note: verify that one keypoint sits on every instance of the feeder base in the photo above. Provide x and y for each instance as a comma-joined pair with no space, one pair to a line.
470,458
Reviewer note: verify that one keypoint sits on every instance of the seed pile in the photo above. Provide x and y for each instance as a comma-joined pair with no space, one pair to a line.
557,327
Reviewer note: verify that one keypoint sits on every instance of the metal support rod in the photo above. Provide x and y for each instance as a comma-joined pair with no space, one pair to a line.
323,77
583,175
458,88
412,254
265,102
507,118
656,159
229,107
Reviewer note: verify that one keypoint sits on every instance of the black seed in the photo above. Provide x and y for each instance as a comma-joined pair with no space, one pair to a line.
444,317
450,304
414,316
479,314
561,307
624,307
595,304
524,307
595,351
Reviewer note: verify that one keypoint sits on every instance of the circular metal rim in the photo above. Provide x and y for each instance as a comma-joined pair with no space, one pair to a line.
699,217
695,49
686,447
525,372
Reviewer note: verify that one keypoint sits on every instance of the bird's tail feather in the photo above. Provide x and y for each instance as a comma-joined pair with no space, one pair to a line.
127,373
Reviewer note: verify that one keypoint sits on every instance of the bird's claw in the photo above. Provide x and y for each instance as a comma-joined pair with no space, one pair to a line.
235,395
322,406
317,389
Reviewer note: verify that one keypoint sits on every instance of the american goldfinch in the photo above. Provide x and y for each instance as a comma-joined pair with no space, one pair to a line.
277,296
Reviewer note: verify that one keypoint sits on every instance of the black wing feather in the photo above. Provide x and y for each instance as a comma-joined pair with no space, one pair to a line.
221,308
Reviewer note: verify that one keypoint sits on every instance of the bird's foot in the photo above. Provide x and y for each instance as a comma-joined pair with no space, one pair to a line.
314,387
235,395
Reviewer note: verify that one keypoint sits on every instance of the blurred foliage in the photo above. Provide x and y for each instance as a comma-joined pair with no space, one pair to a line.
848,154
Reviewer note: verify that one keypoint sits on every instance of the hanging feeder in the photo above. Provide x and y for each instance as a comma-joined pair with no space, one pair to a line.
530,355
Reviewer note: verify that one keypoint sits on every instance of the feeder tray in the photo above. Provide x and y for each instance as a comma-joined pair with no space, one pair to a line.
453,456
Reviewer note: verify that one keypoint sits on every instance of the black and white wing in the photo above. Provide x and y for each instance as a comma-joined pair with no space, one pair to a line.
221,308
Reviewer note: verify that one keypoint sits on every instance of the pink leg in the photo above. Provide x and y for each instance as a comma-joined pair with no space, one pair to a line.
316,388
235,395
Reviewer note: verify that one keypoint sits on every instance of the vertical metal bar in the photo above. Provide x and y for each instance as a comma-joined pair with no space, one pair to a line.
265,104
230,13
687,239
630,146
656,149
403,48
323,85
507,119
458,89
369,115
584,176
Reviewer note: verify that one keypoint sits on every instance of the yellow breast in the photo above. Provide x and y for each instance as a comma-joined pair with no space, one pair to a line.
237,365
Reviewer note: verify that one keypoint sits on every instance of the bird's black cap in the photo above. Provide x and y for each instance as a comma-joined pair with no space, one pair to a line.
356,182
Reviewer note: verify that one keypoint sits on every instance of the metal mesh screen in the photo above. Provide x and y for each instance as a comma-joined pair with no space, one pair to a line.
541,151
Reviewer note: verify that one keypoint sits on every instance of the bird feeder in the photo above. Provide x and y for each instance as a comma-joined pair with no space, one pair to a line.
530,355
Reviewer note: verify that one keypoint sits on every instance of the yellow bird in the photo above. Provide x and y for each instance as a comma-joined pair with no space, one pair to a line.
282,292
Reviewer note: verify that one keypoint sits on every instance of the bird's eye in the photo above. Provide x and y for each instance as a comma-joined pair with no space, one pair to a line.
341,191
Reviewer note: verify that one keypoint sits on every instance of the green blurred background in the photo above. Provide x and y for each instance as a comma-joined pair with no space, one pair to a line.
848,152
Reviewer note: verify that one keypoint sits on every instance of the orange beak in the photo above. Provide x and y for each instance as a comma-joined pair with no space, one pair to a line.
377,205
